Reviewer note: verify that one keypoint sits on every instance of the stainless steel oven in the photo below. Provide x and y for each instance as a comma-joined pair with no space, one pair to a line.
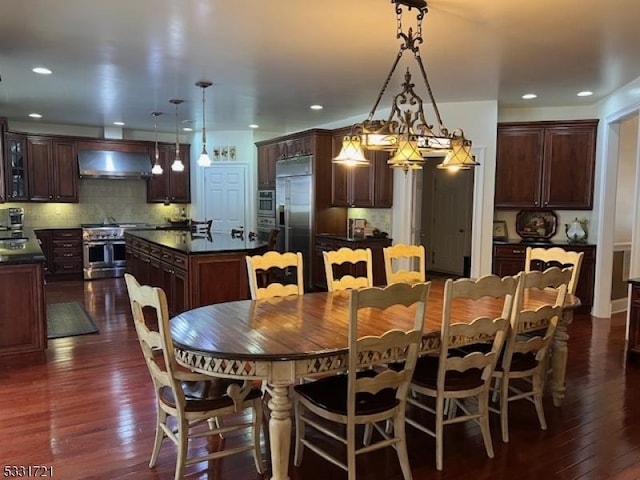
266,203
265,225
103,252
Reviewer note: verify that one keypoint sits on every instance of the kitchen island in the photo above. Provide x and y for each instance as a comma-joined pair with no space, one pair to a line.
23,323
193,270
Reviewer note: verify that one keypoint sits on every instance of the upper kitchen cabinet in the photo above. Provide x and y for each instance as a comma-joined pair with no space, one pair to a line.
53,170
363,186
270,151
170,186
546,165
16,167
40,169
268,155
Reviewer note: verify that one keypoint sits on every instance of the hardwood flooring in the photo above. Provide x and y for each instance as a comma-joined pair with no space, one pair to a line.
89,413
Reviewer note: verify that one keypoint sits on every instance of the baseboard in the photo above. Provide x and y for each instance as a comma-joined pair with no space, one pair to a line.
619,305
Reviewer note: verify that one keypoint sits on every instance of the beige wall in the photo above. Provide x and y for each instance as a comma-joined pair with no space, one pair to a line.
625,187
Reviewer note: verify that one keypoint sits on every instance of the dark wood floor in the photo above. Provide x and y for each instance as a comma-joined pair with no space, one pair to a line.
89,413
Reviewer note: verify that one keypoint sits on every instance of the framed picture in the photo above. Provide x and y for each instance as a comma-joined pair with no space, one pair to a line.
232,152
536,224
224,153
500,230
216,154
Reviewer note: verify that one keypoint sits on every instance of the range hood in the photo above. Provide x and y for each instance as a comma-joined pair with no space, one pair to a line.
110,164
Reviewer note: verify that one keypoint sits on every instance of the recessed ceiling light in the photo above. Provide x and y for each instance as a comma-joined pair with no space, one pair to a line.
35,115
187,129
316,107
529,96
41,70
254,125
119,124
585,93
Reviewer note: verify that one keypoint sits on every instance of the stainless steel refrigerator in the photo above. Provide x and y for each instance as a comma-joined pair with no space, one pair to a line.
294,208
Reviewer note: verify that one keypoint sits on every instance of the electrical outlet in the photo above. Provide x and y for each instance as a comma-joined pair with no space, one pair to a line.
57,211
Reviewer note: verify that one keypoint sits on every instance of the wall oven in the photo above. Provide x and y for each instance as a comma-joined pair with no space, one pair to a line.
266,203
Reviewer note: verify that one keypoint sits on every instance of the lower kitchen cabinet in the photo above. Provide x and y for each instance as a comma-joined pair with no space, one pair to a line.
189,280
63,251
509,258
22,314
331,242
633,346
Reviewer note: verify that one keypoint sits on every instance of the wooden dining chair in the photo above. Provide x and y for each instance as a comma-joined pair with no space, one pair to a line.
258,264
189,399
370,392
537,258
334,260
524,357
404,253
455,375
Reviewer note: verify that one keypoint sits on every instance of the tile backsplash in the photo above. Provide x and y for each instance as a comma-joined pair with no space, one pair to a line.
379,218
125,200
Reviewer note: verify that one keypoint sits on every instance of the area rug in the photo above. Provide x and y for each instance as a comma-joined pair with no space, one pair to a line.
68,320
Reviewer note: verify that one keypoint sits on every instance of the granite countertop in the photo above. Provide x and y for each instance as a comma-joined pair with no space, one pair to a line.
14,250
342,238
184,242
634,281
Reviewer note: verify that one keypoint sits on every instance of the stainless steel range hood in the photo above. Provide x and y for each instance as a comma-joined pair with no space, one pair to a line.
109,164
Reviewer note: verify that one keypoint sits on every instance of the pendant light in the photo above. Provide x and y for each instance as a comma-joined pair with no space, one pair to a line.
204,160
157,168
177,165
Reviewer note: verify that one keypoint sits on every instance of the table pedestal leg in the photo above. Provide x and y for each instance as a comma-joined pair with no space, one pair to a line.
559,357
280,431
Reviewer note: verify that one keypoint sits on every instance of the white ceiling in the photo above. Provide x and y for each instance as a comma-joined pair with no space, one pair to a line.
270,60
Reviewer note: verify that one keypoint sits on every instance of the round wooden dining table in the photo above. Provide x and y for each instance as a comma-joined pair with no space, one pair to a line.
282,340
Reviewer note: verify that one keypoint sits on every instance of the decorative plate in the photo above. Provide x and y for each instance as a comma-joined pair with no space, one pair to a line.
540,224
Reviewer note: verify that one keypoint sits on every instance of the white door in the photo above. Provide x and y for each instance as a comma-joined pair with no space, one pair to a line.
225,197
447,207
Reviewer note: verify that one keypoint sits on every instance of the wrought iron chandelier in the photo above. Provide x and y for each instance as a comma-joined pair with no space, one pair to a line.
406,133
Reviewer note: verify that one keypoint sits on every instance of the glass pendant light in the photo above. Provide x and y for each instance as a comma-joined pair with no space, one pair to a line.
177,165
351,153
204,160
157,168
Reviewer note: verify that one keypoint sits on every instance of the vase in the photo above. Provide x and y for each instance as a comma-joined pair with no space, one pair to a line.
575,231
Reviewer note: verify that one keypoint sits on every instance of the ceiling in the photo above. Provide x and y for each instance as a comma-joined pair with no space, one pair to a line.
119,60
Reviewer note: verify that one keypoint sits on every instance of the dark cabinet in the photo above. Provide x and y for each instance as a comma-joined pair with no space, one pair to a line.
268,155
42,169
327,243
170,186
2,156
16,167
368,186
633,346
508,259
62,249
546,165
22,314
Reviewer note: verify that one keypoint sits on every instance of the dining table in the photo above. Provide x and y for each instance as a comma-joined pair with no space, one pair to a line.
283,340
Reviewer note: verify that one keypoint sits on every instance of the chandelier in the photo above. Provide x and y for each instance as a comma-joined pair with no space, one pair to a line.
405,133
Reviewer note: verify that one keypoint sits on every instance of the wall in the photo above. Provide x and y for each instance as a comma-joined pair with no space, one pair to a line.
625,185
379,218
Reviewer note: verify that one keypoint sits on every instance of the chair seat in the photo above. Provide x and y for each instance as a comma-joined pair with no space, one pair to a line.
426,375
330,394
520,362
205,395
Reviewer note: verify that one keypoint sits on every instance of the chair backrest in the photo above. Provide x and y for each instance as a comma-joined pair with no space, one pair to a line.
474,329
348,255
408,253
376,351
197,226
157,346
555,257
542,320
262,263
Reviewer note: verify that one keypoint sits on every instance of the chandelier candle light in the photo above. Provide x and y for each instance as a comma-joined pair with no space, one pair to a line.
204,160
177,165
157,168
407,134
